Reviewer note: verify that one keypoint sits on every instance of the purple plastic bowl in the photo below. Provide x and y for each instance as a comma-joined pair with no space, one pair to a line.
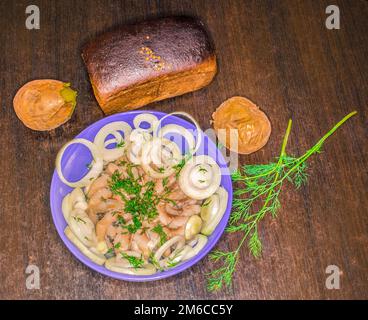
73,169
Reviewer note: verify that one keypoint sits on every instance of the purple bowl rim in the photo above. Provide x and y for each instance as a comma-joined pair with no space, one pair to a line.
220,229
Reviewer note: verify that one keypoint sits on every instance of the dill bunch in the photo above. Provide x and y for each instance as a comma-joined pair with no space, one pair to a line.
258,197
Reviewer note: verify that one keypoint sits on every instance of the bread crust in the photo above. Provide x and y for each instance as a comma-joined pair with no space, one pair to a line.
153,60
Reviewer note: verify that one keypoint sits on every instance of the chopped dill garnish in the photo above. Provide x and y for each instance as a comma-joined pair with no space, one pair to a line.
128,185
120,144
79,219
110,253
117,245
135,226
160,231
219,145
171,263
165,181
181,164
142,201
122,163
173,202
121,221
154,261
134,261
205,203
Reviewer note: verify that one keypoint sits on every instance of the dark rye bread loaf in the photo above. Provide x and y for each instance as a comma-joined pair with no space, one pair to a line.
153,60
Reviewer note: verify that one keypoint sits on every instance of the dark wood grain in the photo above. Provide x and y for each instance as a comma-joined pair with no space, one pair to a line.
278,54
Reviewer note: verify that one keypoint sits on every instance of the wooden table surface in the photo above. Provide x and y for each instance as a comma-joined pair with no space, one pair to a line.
277,53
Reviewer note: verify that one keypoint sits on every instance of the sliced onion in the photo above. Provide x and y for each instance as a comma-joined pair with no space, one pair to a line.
96,169
163,153
178,241
114,265
213,215
117,139
88,252
195,245
82,227
138,138
146,117
200,177
193,227
78,199
175,257
73,200
113,128
185,133
66,207
175,128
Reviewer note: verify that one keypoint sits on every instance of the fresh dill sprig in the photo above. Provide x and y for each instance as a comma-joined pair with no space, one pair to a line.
260,184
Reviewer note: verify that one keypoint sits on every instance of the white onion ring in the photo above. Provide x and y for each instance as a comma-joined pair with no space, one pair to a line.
175,257
123,262
217,212
78,199
114,265
117,139
200,177
179,241
73,200
152,152
82,227
146,117
112,128
196,245
185,133
92,173
88,252
175,127
138,138
66,207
